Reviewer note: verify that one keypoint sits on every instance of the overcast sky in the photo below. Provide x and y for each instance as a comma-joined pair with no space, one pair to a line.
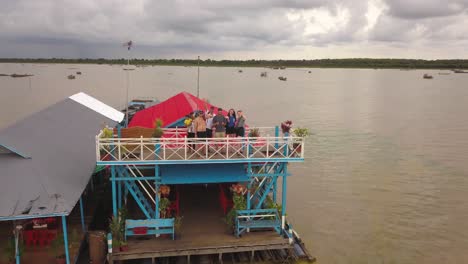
235,29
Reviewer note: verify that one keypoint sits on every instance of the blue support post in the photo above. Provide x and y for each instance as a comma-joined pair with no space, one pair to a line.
283,198
82,215
65,238
276,136
275,187
119,130
17,253
119,194
156,196
249,185
114,187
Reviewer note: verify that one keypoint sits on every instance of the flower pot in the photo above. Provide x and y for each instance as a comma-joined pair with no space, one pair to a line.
124,248
297,148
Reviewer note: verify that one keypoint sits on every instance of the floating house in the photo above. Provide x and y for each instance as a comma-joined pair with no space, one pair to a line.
46,161
197,198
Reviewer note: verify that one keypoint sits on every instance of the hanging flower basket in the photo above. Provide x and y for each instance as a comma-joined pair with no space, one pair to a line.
164,190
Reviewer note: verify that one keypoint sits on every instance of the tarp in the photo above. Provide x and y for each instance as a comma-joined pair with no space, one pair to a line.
170,111
58,157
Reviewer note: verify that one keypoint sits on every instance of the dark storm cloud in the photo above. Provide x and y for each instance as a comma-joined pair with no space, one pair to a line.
91,28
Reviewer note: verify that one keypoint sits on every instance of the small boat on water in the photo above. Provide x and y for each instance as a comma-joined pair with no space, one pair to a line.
459,71
71,77
78,72
240,71
282,78
264,74
282,67
310,71
444,73
15,75
275,68
427,76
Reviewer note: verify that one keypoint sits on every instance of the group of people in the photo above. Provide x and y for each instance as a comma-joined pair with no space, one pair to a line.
208,124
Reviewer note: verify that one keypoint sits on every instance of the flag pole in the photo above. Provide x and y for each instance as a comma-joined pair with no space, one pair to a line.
198,78
128,84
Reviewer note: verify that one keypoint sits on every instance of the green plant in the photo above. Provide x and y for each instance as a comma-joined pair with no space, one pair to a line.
57,245
254,132
301,132
117,227
9,250
107,133
178,223
158,131
163,205
239,203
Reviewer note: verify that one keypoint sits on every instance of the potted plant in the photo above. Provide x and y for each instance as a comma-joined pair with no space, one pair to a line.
239,203
286,127
57,249
178,225
300,132
123,246
254,132
158,131
10,251
115,227
106,133
163,205
164,190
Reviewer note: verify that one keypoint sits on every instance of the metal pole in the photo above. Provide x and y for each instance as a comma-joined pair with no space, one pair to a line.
126,103
65,238
198,78
82,215
114,198
283,198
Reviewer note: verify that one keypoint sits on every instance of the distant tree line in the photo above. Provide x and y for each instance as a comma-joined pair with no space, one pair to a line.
320,63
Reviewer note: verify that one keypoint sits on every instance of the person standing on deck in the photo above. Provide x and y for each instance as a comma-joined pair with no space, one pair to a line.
209,124
190,131
231,123
199,125
219,123
240,125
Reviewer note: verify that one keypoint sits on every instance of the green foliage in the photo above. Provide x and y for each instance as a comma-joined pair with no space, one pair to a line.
107,133
301,132
269,204
239,203
57,245
254,132
178,223
164,204
117,227
9,248
319,63
158,131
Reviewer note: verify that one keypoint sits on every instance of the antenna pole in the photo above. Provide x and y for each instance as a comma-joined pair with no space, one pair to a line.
198,78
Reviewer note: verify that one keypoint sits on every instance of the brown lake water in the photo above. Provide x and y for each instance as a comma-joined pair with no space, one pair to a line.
386,173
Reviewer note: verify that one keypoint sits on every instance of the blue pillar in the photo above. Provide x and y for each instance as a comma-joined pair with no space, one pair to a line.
17,253
283,198
275,187
82,215
156,195
65,238
119,194
276,136
114,187
119,130
249,185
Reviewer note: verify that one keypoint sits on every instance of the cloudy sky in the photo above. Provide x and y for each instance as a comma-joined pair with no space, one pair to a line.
235,29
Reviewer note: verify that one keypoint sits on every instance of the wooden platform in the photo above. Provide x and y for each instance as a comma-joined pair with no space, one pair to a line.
203,232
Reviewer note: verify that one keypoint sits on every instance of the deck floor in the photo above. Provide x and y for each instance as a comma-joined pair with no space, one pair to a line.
203,231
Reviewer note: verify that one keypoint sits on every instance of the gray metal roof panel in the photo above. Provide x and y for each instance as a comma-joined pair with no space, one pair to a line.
61,143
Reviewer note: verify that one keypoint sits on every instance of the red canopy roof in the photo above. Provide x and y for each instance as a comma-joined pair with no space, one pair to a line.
170,111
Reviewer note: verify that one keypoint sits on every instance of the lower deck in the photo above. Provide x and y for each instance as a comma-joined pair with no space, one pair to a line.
203,232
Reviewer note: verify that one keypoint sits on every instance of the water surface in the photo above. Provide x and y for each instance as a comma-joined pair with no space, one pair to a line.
385,177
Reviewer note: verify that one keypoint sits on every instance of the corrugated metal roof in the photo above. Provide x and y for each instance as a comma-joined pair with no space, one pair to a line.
60,141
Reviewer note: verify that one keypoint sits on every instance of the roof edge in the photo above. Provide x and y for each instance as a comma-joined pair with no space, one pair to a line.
97,106
15,151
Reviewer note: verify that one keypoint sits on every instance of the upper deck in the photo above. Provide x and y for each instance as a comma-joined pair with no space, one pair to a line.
175,148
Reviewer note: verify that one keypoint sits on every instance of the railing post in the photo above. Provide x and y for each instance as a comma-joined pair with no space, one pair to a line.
227,147
185,148
141,148
98,149
276,136
119,154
